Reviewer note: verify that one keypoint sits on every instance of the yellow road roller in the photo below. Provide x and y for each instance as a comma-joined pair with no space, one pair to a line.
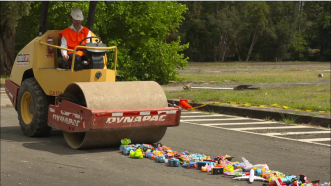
88,105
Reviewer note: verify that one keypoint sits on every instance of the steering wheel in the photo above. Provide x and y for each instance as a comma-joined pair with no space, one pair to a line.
80,43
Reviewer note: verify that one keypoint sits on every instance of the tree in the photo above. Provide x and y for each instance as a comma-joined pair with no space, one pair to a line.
139,30
11,12
224,19
257,22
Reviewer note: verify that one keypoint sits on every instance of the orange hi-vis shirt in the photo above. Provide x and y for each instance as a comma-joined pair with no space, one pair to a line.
73,38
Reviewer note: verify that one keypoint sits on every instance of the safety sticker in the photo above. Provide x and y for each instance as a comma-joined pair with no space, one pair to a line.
23,59
49,56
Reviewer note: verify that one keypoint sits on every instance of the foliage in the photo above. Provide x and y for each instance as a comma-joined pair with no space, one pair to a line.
265,31
12,11
138,29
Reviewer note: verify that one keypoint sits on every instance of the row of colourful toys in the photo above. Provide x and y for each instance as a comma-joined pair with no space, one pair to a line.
219,165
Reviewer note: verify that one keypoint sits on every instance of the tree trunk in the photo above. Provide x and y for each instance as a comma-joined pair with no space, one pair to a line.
254,40
223,46
7,48
237,50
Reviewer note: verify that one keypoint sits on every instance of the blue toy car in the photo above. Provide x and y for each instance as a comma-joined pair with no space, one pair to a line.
173,162
190,165
127,150
149,154
160,159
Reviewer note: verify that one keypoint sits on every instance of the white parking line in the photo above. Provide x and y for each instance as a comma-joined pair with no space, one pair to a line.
201,116
296,133
258,128
246,123
249,130
222,119
315,139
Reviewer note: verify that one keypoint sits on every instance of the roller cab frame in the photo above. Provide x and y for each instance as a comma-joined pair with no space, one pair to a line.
37,80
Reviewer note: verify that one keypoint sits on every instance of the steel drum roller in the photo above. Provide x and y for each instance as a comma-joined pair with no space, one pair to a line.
114,96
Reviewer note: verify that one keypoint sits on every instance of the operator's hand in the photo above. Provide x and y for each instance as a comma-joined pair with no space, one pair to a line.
65,57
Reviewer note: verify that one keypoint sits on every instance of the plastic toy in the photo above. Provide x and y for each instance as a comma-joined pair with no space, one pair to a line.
207,168
236,173
164,148
127,149
201,164
217,170
228,168
160,159
249,166
237,165
303,178
136,154
183,159
173,162
149,154
125,141
190,165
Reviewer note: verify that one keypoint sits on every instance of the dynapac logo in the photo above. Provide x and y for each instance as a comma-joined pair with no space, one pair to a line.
66,120
130,119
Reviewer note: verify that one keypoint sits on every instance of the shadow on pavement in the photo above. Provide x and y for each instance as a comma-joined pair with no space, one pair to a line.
55,143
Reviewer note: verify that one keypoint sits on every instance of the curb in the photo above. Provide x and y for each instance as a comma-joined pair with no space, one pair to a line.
262,113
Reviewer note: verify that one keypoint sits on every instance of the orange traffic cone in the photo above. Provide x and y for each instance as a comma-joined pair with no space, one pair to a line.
183,103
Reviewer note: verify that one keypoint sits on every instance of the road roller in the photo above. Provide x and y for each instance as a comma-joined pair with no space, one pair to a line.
89,106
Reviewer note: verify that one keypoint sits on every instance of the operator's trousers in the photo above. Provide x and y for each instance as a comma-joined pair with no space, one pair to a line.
78,61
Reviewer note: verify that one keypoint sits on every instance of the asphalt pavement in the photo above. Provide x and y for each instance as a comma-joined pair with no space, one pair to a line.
49,161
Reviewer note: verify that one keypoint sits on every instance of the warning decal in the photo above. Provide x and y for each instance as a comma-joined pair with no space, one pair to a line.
23,59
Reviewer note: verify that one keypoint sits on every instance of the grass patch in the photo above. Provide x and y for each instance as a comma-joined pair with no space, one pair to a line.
307,97
254,77
313,115
289,119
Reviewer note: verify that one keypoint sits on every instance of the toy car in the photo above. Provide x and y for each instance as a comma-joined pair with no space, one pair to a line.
217,170
190,165
160,159
183,159
127,149
200,164
149,154
173,162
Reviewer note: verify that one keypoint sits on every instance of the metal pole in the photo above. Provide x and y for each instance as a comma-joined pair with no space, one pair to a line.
43,18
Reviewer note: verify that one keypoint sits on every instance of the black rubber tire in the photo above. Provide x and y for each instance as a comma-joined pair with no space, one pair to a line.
38,126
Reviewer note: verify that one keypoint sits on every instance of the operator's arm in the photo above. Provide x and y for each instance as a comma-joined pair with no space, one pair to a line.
64,44
64,53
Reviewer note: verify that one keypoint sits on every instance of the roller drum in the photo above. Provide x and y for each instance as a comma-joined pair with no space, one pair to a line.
115,96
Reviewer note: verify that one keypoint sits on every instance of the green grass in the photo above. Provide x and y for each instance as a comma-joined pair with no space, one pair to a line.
289,119
308,97
254,77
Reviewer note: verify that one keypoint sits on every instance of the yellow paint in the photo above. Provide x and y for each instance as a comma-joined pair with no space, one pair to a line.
52,79
25,112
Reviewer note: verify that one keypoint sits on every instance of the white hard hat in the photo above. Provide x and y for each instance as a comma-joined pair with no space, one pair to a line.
77,14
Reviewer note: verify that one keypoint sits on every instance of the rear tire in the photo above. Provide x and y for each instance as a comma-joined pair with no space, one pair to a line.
32,109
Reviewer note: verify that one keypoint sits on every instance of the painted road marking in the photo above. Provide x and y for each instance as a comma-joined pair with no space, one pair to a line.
258,128
244,123
296,133
223,119
316,139
214,123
